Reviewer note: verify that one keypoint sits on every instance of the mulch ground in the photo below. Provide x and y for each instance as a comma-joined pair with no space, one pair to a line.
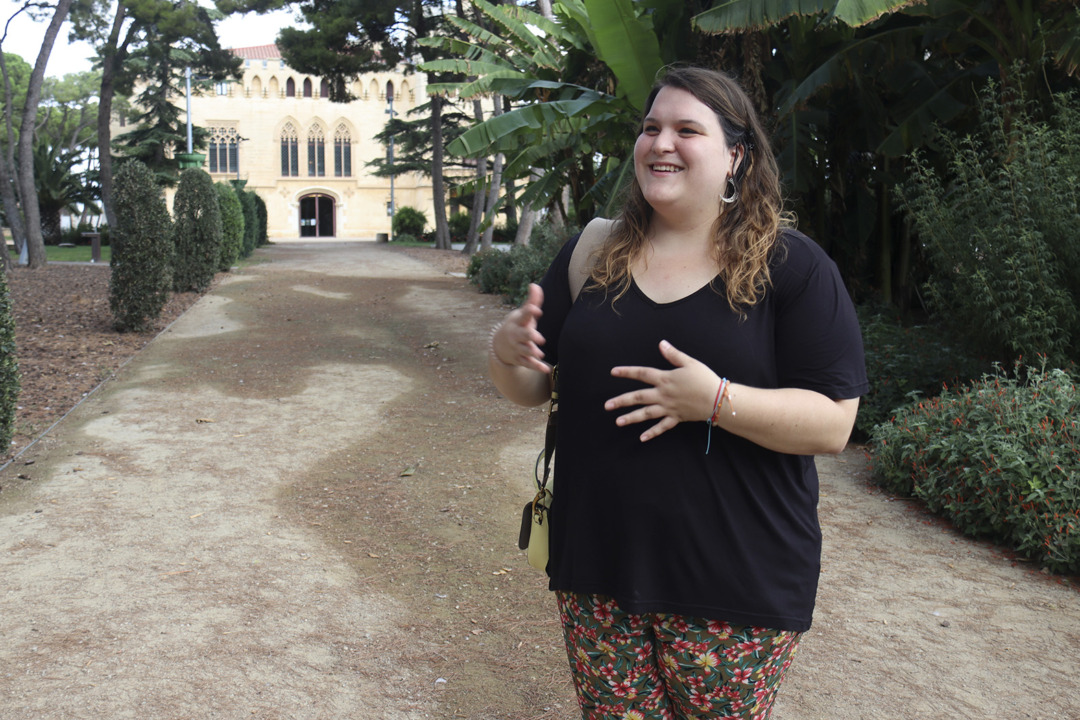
65,341
67,346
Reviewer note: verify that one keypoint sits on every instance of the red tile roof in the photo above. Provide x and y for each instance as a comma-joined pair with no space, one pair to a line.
258,52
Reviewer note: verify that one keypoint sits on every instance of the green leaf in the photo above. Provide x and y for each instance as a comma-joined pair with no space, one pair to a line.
740,15
626,45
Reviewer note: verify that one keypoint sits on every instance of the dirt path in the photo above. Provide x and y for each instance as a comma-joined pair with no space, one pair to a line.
301,501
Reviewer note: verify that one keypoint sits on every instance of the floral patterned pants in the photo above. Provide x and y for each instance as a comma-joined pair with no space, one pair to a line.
670,667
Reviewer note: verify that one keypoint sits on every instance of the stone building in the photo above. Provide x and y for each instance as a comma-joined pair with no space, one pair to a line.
305,156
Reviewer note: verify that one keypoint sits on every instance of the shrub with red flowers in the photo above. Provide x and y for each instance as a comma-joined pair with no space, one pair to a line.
999,457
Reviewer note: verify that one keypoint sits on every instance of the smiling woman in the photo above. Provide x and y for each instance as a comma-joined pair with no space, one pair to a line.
711,353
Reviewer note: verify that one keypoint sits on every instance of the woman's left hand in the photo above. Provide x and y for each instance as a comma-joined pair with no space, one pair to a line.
684,393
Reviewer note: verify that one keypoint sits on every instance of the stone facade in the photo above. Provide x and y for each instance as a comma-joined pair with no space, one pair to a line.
304,155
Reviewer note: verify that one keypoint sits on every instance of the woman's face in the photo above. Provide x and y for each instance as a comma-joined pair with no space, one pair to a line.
681,158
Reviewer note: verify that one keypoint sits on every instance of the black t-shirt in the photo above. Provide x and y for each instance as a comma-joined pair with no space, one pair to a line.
662,526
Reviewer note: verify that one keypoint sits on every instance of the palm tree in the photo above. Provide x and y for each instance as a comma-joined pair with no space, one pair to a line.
58,188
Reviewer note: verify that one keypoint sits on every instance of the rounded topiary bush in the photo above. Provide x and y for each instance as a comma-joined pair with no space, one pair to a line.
409,221
262,236
232,225
142,249
197,232
251,221
9,368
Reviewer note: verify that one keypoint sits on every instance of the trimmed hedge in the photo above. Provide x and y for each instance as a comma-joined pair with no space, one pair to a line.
232,225
9,368
262,236
999,457
251,221
197,232
142,249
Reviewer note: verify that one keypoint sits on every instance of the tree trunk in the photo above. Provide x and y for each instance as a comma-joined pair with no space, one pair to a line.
472,240
50,226
35,245
112,58
511,201
529,213
473,237
527,221
438,187
8,188
24,174
493,188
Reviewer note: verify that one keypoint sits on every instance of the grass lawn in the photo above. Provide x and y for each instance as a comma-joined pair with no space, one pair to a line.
80,253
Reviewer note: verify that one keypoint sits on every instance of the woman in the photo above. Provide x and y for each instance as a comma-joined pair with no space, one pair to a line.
712,352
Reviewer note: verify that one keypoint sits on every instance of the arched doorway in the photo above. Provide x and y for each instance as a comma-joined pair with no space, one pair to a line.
317,216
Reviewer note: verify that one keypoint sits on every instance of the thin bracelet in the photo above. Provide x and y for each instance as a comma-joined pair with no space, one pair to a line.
716,411
718,401
491,348
730,400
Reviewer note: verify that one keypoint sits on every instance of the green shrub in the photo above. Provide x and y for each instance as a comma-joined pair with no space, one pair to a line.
459,226
405,238
142,249
1000,231
505,233
489,271
232,225
261,236
9,368
509,272
999,457
902,362
197,232
409,221
251,221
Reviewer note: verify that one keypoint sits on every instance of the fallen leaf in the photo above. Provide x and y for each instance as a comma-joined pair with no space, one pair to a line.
407,472
373,555
204,420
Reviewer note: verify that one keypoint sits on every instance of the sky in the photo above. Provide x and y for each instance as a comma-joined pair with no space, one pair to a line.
25,36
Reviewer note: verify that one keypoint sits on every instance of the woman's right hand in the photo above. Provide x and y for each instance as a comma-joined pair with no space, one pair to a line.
516,342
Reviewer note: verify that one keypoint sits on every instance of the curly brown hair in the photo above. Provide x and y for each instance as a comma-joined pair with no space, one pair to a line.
746,231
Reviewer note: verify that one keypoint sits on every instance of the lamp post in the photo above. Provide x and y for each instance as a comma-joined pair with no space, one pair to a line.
190,159
390,111
187,83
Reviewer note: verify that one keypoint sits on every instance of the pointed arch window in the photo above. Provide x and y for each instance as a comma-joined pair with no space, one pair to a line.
224,150
316,152
324,89
307,87
290,151
290,88
342,152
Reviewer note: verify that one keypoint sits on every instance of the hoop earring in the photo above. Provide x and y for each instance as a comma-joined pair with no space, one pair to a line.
728,199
